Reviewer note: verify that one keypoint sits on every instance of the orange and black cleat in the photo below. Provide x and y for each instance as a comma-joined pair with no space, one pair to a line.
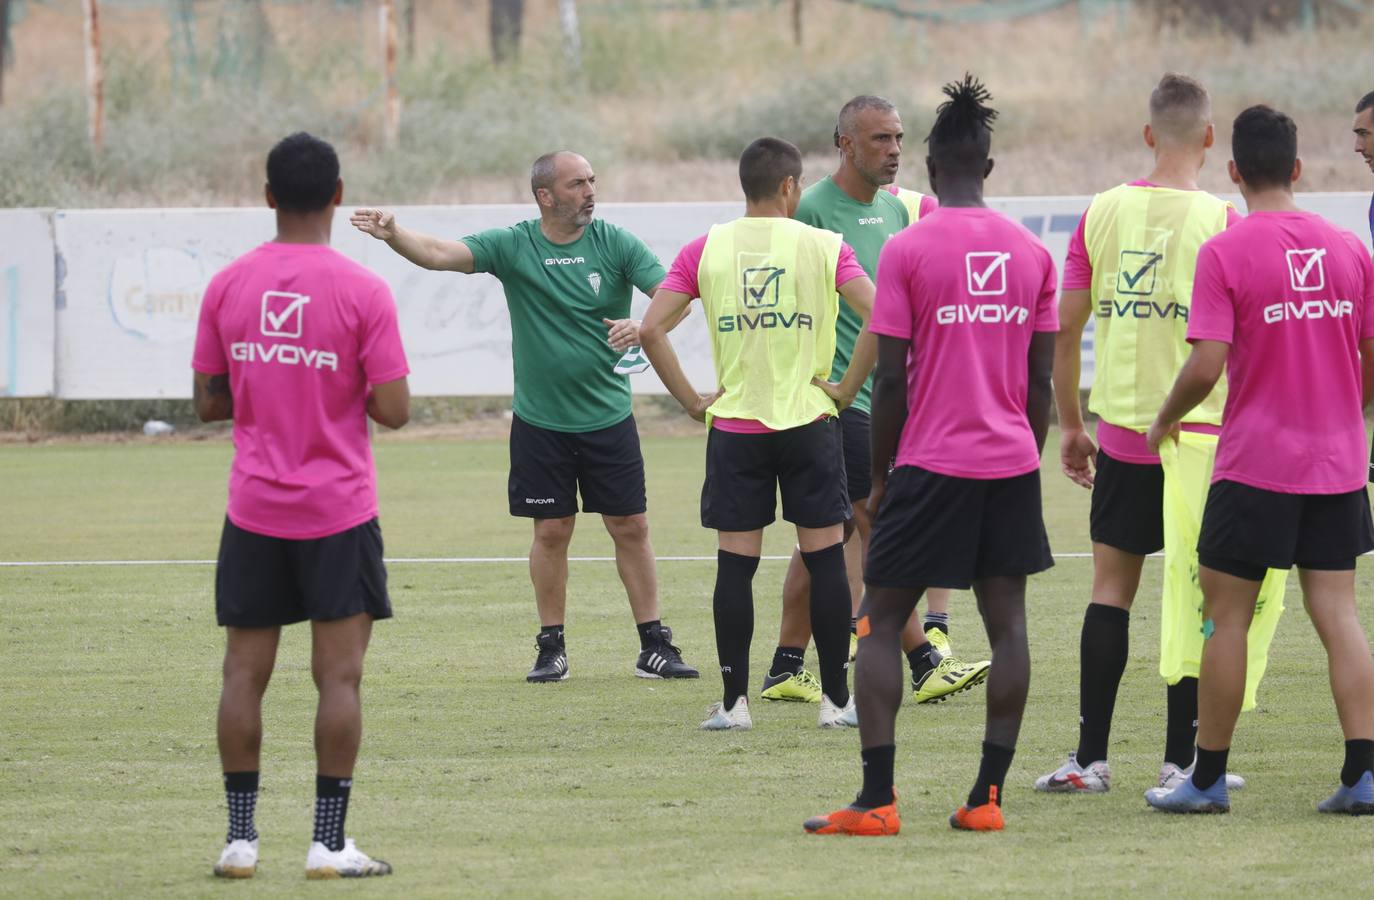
876,822
987,817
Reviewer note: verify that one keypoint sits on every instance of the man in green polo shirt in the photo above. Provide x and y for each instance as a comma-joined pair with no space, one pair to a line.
568,278
853,203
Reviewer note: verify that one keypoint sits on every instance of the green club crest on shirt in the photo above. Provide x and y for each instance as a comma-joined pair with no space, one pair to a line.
594,280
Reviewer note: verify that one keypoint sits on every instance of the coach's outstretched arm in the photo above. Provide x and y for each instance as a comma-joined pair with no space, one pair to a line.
1039,394
1076,448
1195,381
889,411
664,312
858,293
214,400
424,250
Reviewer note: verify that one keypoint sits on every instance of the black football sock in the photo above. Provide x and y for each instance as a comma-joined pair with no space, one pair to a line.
877,789
241,793
1211,766
331,808
1182,723
1359,758
830,609
992,773
648,633
1102,649
555,630
733,605
936,620
922,660
787,661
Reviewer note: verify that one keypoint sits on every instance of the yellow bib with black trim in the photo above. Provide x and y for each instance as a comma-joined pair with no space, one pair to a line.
768,288
1143,244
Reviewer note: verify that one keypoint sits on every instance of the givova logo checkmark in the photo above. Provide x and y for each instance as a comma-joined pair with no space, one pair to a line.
761,286
283,314
987,272
1135,272
1306,270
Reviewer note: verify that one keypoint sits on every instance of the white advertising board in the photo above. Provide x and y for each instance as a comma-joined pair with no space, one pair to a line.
27,317
130,283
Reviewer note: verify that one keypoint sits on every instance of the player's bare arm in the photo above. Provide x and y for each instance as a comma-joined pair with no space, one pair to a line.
1367,370
858,293
424,250
889,411
1077,451
1195,381
1040,363
389,403
665,310
214,401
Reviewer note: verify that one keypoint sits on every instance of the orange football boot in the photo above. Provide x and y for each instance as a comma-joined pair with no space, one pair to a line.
876,822
987,817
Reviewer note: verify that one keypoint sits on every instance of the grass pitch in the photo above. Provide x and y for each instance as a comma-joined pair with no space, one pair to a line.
472,782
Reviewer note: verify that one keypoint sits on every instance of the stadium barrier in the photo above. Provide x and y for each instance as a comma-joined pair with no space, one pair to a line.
102,304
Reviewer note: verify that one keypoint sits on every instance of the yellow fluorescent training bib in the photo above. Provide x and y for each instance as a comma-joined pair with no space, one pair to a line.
768,287
1143,244
912,201
1187,477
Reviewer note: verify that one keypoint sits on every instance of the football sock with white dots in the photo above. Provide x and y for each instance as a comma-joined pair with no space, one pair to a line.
733,606
877,789
936,620
787,661
923,659
331,808
241,793
830,608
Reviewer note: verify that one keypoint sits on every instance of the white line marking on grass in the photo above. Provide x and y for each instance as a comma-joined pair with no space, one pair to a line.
397,560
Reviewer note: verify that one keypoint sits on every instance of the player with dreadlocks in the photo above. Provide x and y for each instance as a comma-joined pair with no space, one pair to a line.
965,313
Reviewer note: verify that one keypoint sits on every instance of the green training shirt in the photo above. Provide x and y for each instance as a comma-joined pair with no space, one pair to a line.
865,227
557,295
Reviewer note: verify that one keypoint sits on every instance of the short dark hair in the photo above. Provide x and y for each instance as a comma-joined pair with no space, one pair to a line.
542,173
849,113
302,172
764,165
962,133
1365,103
1264,145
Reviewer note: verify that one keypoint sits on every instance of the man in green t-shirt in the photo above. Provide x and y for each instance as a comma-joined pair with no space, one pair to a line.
854,204
568,279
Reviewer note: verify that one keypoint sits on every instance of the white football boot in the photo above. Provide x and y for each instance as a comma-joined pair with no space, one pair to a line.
350,862
832,716
238,859
718,718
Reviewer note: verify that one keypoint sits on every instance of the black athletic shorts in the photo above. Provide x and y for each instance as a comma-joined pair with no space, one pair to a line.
1127,505
855,431
1246,530
938,531
263,581
549,468
745,471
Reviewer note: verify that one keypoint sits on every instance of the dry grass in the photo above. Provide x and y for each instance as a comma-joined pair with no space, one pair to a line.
664,104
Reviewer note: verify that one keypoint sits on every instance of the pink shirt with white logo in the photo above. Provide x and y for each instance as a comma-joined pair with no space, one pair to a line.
683,278
302,331
1293,295
968,286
